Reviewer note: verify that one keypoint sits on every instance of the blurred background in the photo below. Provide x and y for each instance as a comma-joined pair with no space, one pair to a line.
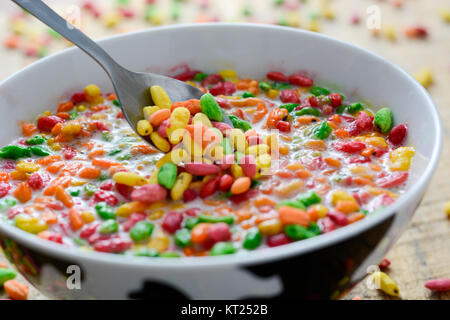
414,34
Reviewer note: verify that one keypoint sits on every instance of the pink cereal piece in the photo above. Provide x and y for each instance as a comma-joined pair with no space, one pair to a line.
248,165
227,161
441,285
201,169
222,126
149,193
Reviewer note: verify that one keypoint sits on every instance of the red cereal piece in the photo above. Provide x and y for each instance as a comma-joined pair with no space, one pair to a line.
35,181
189,195
46,123
277,240
301,81
336,99
210,188
364,122
393,180
284,126
69,153
172,221
289,96
78,97
134,218
219,232
225,182
4,189
106,196
124,190
338,218
277,76
384,264
440,285
349,146
398,134
328,225
418,32
113,245
212,79
149,193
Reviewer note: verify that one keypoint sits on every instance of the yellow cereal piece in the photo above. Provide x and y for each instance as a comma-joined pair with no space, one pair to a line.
263,161
445,14
160,97
93,94
272,93
157,214
144,128
98,116
72,128
378,191
111,19
167,158
87,216
28,167
424,77
181,184
358,170
30,224
179,155
228,74
447,209
191,83
293,19
321,210
401,158
384,283
389,32
314,25
201,118
129,179
159,241
154,177
236,171
270,227
179,120
295,166
157,205
148,111
289,188
159,142
341,195
130,207
81,108
377,142
258,149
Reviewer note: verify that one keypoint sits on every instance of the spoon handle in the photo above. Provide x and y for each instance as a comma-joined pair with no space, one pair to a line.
49,17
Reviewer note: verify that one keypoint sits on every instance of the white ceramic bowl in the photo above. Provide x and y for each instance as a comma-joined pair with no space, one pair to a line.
311,268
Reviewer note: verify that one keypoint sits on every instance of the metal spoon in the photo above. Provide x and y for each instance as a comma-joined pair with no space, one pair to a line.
132,88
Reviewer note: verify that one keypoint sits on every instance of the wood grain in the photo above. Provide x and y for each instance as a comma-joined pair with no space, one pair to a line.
423,251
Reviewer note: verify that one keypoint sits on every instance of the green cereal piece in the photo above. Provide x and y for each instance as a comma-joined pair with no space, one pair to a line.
322,131
213,219
265,86
297,232
89,189
116,103
74,192
182,238
289,106
383,119
6,274
146,252
107,136
309,111
210,107
291,203
309,198
239,123
170,254
39,151
200,76
141,231
355,107
105,211
35,140
221,248
109,226
114,152
341,109
226,145
167,175
191,222
319,91
252,239
7,203
73,115
248,94
314,228
281,86
14,152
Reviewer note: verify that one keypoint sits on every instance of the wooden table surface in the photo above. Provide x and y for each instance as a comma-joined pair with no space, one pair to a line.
423,251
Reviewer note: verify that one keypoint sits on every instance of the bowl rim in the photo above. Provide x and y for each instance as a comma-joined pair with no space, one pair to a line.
251,257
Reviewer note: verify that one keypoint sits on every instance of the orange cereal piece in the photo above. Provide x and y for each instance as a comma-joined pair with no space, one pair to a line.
143,149
55,167
16,290
48,160
63,196
89,173
346,206
341,133
333,162
289,215
105,163
199,233
76,221
319,145
23,192
65,106
28,129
